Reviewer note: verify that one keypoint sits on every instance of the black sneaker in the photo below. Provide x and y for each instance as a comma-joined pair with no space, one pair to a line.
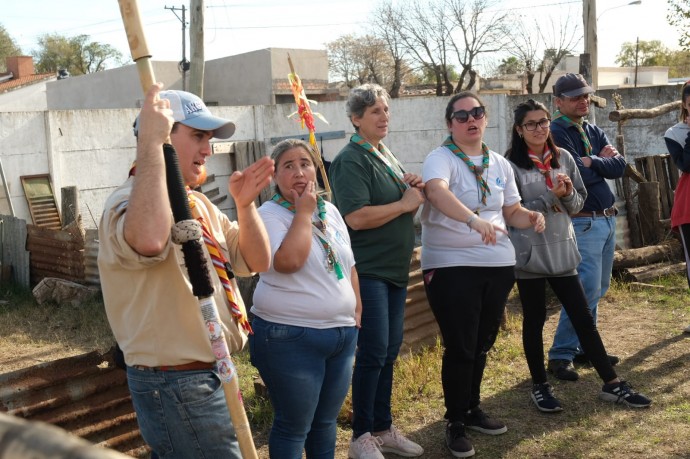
562,369
542,396
457,442
582,359
477,420
621,392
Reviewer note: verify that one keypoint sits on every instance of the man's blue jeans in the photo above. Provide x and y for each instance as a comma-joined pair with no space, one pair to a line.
596,241
183,414
307,372
383,314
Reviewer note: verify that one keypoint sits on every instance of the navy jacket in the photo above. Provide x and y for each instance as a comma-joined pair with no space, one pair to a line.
599,195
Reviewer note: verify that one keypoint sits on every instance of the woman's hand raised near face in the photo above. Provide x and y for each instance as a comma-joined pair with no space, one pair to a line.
305,203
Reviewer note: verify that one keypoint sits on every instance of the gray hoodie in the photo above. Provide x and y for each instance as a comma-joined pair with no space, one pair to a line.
552,253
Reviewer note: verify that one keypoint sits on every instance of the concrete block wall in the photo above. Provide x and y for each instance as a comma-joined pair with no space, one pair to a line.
93,149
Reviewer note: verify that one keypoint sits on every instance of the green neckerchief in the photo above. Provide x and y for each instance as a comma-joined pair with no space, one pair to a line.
332,261
477,170
585,140
386,157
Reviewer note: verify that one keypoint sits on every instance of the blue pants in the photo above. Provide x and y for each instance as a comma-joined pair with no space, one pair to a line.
183,414
307,372
383,314
596,241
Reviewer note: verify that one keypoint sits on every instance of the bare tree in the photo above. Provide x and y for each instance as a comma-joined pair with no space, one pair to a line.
539,35
479,31
525,48
386,23
360,59
424,30
342,59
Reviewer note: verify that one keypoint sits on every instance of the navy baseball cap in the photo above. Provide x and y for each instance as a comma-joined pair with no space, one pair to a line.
190,110
571,85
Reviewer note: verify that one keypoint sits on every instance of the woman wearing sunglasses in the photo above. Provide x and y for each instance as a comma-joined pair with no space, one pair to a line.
550,183
467,259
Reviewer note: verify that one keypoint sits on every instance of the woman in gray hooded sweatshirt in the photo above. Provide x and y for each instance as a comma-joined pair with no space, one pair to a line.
550,183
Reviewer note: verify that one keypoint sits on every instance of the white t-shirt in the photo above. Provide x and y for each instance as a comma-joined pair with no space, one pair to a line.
311,297
447,242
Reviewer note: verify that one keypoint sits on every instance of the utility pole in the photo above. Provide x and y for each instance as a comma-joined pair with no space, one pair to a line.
196,41
183,66
589,17
637,53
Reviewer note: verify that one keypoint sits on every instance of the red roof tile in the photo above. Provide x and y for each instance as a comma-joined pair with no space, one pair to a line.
24,81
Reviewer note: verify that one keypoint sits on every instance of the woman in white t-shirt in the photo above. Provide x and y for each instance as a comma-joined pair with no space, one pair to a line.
306,309
468,259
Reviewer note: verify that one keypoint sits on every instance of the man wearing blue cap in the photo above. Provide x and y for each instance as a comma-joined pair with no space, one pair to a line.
155,317
595,226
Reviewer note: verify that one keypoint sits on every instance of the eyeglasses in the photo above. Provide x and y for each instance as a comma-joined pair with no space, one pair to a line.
462,116
532,125
577,98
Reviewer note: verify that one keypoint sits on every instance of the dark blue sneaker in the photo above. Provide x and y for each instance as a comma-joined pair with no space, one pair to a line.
542,396
621,392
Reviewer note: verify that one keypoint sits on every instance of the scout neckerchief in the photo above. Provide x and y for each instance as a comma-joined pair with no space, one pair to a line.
392,165
221,265
583,136
332,261
477,170
544,165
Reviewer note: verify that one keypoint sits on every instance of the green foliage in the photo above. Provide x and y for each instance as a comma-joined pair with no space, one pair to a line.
679,16
8,47
654,53
510,65
76,54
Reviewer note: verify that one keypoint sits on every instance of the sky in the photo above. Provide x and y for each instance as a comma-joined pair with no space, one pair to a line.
238,26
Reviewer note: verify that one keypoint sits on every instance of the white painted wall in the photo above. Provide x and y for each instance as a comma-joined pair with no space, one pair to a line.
93,149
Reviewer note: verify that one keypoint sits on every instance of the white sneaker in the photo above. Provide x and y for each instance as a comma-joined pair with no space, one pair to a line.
395,442
365,447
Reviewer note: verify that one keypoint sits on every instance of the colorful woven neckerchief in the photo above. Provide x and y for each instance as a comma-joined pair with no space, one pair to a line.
332,262
544,165
393,167
477,170
221,265
583,136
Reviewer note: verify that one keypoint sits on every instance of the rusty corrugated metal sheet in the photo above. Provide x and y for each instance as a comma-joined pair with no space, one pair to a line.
420,325
55,253
85,395
91,275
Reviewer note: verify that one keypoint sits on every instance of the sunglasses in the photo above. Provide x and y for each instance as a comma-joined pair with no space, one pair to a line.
462,116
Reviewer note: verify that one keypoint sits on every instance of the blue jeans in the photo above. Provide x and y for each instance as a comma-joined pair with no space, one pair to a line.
383,314
307,372
183,414
596,241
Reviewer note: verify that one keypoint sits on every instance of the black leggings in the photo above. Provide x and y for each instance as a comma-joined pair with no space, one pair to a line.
569,291
468,304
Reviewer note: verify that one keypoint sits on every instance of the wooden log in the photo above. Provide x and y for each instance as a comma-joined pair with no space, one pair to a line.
648,200
655,271
662,178
643,286
630,258
640,113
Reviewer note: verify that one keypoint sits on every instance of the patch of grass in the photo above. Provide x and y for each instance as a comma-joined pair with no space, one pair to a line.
642,325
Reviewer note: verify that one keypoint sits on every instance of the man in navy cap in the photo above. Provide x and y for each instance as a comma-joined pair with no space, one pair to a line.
595,225
154,315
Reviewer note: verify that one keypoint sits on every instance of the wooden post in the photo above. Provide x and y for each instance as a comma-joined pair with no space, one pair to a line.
70,205
648,199
196,48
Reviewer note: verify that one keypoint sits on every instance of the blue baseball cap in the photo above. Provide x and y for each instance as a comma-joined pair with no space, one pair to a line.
571,85
190,110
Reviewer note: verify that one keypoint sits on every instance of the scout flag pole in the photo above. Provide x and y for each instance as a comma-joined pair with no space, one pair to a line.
192,245
307,119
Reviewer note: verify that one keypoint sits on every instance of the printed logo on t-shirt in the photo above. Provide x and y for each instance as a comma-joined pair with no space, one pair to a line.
501,182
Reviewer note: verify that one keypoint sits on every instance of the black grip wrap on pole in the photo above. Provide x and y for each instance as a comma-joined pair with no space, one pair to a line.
193,251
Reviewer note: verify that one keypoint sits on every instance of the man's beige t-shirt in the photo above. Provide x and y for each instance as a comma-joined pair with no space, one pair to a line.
154,316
